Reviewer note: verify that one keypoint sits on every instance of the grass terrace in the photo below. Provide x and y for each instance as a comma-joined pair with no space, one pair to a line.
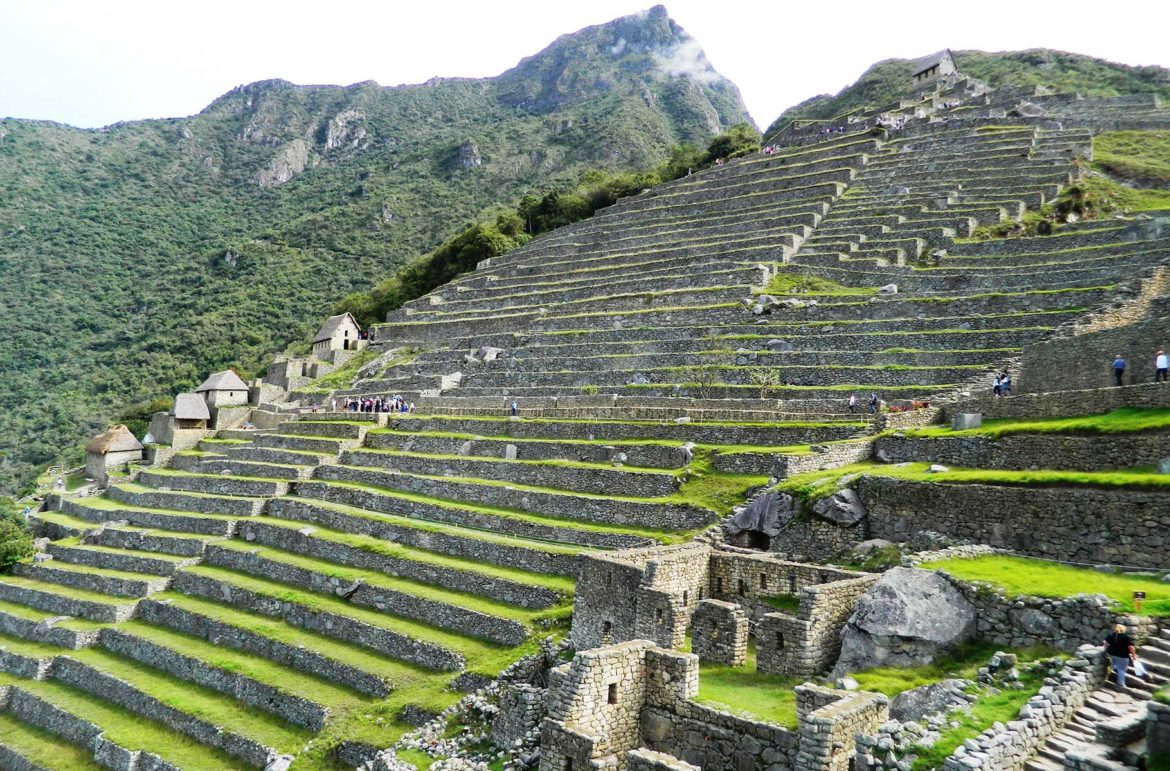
1127,420
1023,576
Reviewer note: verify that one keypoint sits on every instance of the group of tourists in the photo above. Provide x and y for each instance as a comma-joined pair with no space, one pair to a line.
874,403
374,404
1001,385
1161,368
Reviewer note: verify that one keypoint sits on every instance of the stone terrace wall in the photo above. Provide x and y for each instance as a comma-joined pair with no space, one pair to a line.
1064,404
1117,527
1085,361
1074,453
649,760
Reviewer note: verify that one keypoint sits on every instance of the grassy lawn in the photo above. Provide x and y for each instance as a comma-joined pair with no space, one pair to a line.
794,283
1123,421
743,691
1026,576
815,484
789,603
43,748
963,663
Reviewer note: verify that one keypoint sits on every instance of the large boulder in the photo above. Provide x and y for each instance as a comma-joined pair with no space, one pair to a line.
917,703
843,507
906,619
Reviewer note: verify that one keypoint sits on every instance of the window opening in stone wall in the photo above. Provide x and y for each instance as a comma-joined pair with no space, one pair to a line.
714,631
780,641
792,583
719,586
568,764
609,579
612,697
658,615
686,598
763,580
606,628
742,588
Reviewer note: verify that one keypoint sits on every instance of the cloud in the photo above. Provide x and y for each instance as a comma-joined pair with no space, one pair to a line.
617,48
686,58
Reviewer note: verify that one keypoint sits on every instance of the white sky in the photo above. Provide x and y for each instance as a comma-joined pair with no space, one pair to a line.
93,63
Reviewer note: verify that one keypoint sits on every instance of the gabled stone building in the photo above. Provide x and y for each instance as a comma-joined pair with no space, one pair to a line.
937,66
339,333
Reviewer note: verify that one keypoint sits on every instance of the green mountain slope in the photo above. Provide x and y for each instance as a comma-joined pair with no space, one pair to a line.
1064,72
136,258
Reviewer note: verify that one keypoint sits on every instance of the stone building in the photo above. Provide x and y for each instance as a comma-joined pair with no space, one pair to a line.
653,594
110,451
937,66
339,333
183,426
631,705
227,398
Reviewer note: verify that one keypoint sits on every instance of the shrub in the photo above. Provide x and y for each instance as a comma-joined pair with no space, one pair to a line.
15,543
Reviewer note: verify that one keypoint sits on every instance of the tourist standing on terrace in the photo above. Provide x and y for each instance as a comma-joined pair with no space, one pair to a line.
1119,648
1161,367
873,403
1118,368
852,402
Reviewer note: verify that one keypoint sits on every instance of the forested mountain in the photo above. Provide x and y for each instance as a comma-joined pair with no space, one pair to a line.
1065,72
136,258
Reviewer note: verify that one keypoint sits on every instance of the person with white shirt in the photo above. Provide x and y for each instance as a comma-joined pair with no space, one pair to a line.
1161,367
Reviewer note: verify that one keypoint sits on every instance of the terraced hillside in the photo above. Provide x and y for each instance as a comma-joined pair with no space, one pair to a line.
313,589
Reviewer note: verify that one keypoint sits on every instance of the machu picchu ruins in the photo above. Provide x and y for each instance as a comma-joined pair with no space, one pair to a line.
814,457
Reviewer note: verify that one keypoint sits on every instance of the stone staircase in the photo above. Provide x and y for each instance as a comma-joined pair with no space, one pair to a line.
1108,732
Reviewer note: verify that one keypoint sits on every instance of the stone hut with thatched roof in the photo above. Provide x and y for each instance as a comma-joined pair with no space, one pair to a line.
111,451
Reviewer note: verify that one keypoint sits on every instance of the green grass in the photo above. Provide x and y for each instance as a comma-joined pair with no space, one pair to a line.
1025,576
1123,421
416,758
785,282
815,484
129,730
789,603
745,692
716,490
43,748
989,708
963,663
1141,156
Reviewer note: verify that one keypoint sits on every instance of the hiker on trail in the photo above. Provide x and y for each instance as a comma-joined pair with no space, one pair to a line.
1161,367
1118,369
1120,649
873,403
1005,384
852,402
997,386
515,409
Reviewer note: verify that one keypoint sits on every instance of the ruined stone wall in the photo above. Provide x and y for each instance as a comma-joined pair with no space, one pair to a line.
750,578
1118,527
720,633
809,642
645,593
830,720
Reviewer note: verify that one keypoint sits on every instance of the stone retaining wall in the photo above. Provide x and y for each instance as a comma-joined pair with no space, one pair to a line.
660,516
46,631
597,481
830,720
1118,527
193,523
1065,404
512,593
1099,452
372,500
442,615
204,504
393,644
173,617
86,678
108,612
286,705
